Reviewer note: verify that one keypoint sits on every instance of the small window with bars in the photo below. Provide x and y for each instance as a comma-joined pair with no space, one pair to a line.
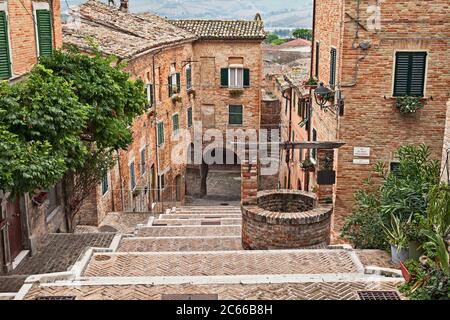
410,68
333,67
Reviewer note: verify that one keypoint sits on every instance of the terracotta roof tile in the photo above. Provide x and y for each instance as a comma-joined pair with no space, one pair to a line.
223,29
121,33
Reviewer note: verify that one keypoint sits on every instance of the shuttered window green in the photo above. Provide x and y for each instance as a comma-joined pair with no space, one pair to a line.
175,125
246,78
316,73
224,77
410,73
5,62
44,28
332,67
160,133
188,78
235,114
189,117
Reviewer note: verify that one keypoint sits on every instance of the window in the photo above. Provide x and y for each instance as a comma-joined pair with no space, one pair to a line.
160,133
332,67
188,77
175,124
317,59
5,62
149,89
235,114
314,151
105,184
410,73
162,182
44,32
235,77
132,176
174,84
189,117
143,161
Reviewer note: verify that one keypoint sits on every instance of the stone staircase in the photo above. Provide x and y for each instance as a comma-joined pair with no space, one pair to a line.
197,250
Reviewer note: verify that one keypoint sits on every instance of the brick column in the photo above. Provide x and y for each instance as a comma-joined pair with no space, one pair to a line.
325,162
249,179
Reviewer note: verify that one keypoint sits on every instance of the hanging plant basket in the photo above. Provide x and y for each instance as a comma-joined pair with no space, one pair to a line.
176,98
311,83
307,165
408,104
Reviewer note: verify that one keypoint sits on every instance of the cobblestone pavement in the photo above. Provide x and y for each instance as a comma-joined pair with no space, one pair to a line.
190,231
199,259
285,291
378,258
57,254
219,263
180,244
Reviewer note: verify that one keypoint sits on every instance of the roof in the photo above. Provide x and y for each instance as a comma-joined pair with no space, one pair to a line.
295,43
121,33
296,76
224,29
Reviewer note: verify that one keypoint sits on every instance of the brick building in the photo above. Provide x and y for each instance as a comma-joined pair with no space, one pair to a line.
369,53
189,68
28,30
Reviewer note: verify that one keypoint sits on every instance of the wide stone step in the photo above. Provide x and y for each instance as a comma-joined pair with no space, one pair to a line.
180,244
189,231
200,216
208,209
197,222
232,263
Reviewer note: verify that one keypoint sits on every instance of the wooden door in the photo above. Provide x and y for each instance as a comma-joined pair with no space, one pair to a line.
14,227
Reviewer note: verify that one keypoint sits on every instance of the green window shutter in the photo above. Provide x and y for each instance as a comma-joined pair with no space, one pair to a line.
189,117
332,67
160,133
175,124
246,78
44,27
5,62
235,114
169,86
178,82
132,176
188,78
151,95
410,74
224,77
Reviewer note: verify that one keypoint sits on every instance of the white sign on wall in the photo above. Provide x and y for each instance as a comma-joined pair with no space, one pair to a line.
361,161
361,152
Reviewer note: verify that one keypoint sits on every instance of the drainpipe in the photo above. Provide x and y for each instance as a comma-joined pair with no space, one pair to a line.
313,51
156,126
288,151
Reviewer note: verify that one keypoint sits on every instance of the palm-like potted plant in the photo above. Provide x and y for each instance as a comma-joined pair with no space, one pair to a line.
397,239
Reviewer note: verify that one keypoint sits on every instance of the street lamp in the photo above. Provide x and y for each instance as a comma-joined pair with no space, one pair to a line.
322,95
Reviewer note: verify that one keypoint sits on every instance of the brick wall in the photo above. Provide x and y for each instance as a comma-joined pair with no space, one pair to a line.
23,36
285,219
370,120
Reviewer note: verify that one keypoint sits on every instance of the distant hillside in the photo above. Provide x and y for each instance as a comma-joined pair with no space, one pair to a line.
283,14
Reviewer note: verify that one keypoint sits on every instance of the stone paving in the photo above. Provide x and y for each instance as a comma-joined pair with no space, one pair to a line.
57,254
191,231
284,291
198,222
199,259
180,244
219,263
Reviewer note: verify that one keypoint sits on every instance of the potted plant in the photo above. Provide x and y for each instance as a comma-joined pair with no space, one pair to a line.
397,239
236,93
307,165
408,104
176,98
311,83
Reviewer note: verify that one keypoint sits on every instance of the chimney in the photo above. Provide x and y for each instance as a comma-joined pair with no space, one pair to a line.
123,5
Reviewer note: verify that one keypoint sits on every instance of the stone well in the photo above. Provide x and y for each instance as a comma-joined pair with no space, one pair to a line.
285,219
